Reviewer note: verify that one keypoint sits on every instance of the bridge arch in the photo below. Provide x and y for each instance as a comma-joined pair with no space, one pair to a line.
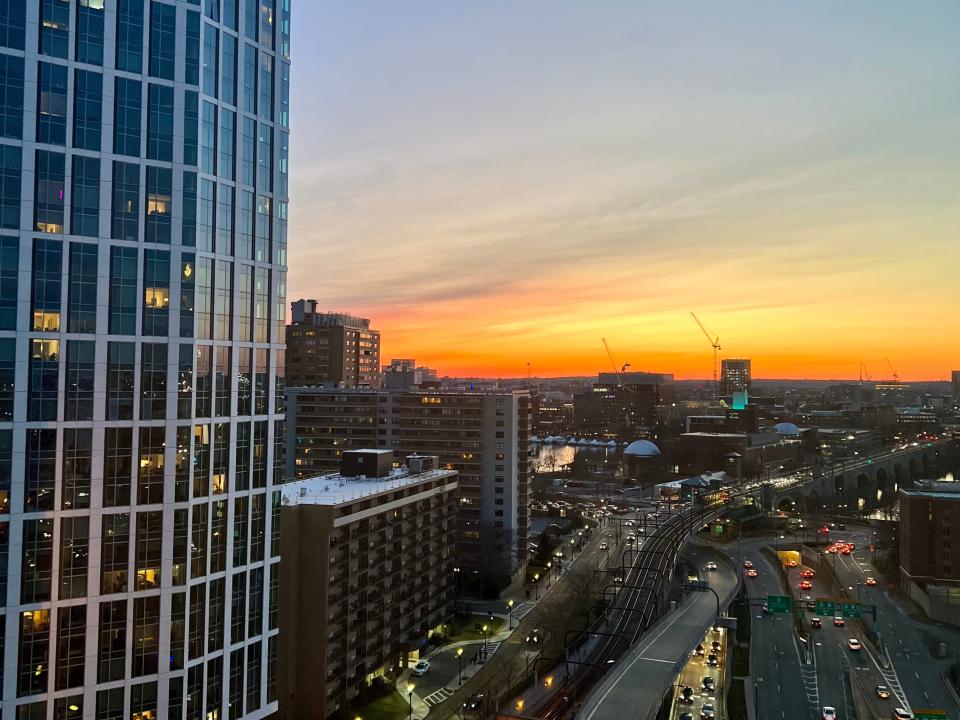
897,476
926,467
787,504
863,481
885,491
914,469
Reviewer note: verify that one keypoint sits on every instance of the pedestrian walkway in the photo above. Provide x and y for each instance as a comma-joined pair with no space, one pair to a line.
435,698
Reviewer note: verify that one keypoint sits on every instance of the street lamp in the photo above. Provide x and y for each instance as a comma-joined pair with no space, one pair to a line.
510,615
485,639
536,583
410,687
549,565
460,663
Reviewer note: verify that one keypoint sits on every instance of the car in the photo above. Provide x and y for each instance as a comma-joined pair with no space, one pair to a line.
685,716
711,566
698,650
686,694
603,546
713,660
901,714
747,565
474,702
807,573
534,636
628,523
839,622
816,623
853,644
715,646
810,604
708,683
766,608
751,573
707,712
806,585
828,713
832,550
421,668
871,581
791,563
846,551
851,546
882,691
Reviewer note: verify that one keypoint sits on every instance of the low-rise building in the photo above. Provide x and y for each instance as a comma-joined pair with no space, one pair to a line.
367,573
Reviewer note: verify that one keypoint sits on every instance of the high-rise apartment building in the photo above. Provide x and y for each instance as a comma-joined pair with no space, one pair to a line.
734,375
331,348
143,205
955,384
484,436
367,574
624,405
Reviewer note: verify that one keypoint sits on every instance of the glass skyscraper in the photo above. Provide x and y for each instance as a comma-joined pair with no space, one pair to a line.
143,235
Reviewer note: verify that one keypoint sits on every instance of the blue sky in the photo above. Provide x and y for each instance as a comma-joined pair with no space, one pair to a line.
529,176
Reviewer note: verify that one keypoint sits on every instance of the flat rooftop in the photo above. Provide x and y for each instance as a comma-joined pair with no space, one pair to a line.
335,489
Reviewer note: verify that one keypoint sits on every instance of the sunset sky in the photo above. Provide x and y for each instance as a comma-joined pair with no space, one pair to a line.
509,181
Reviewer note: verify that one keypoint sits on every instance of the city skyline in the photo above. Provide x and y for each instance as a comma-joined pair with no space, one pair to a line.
600,172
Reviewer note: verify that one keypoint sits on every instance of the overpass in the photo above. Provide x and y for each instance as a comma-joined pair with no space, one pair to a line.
863,483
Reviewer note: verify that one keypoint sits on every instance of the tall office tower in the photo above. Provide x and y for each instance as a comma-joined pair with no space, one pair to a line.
331,348
734,376
955,383
143,203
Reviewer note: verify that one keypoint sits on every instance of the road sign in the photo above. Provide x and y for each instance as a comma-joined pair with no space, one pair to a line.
778,603
826,607
851,610
926,714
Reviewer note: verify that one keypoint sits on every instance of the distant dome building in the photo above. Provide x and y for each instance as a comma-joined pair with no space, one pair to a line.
643,461
786,428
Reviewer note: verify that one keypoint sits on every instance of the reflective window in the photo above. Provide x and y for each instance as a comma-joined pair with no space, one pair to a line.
11,96
160,122
85,208
87,109
191,68
130,35
74,552
237,670
265,158
266,24
181,481
113,623
198,561
123,291
245,151
216,606
225,205
163,38
10,187
82,290
205,214
156,292
244,225
229,16
44,379
191,127
186,297
265,86
78,403
228,132
37,565
89,40
241,470
185,382
228,70
240,529
201,460
109,702
120,375
148,551
125,213
197,625
203,382
8,372
47,268
71,642
243,308
54,27
48,200
153,406
159,204
143,698
189,222
248,79
117,466
13,23
126,117
209,69
208,137
33,661
77,460
223,309
115,554
52,104
70,707
250,18
254,654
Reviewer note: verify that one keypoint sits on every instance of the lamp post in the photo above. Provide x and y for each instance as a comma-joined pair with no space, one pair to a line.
460,663
510,614
536,583
485,627
410,687
549,565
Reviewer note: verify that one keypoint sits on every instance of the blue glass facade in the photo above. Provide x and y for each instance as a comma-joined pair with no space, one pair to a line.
143,204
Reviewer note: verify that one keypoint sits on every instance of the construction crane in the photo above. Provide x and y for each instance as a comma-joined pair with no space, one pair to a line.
896,378
613,363
864,371
715,344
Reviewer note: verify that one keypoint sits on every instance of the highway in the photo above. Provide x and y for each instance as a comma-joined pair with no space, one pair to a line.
918,673
694,680
782,682
638,680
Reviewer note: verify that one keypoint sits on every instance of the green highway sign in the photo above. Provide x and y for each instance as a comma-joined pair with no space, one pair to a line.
851,610
778,603
926,714
826,607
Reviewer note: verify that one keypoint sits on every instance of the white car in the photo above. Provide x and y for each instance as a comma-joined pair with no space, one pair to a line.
421,668
901,714
711,566
829,713
853,644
